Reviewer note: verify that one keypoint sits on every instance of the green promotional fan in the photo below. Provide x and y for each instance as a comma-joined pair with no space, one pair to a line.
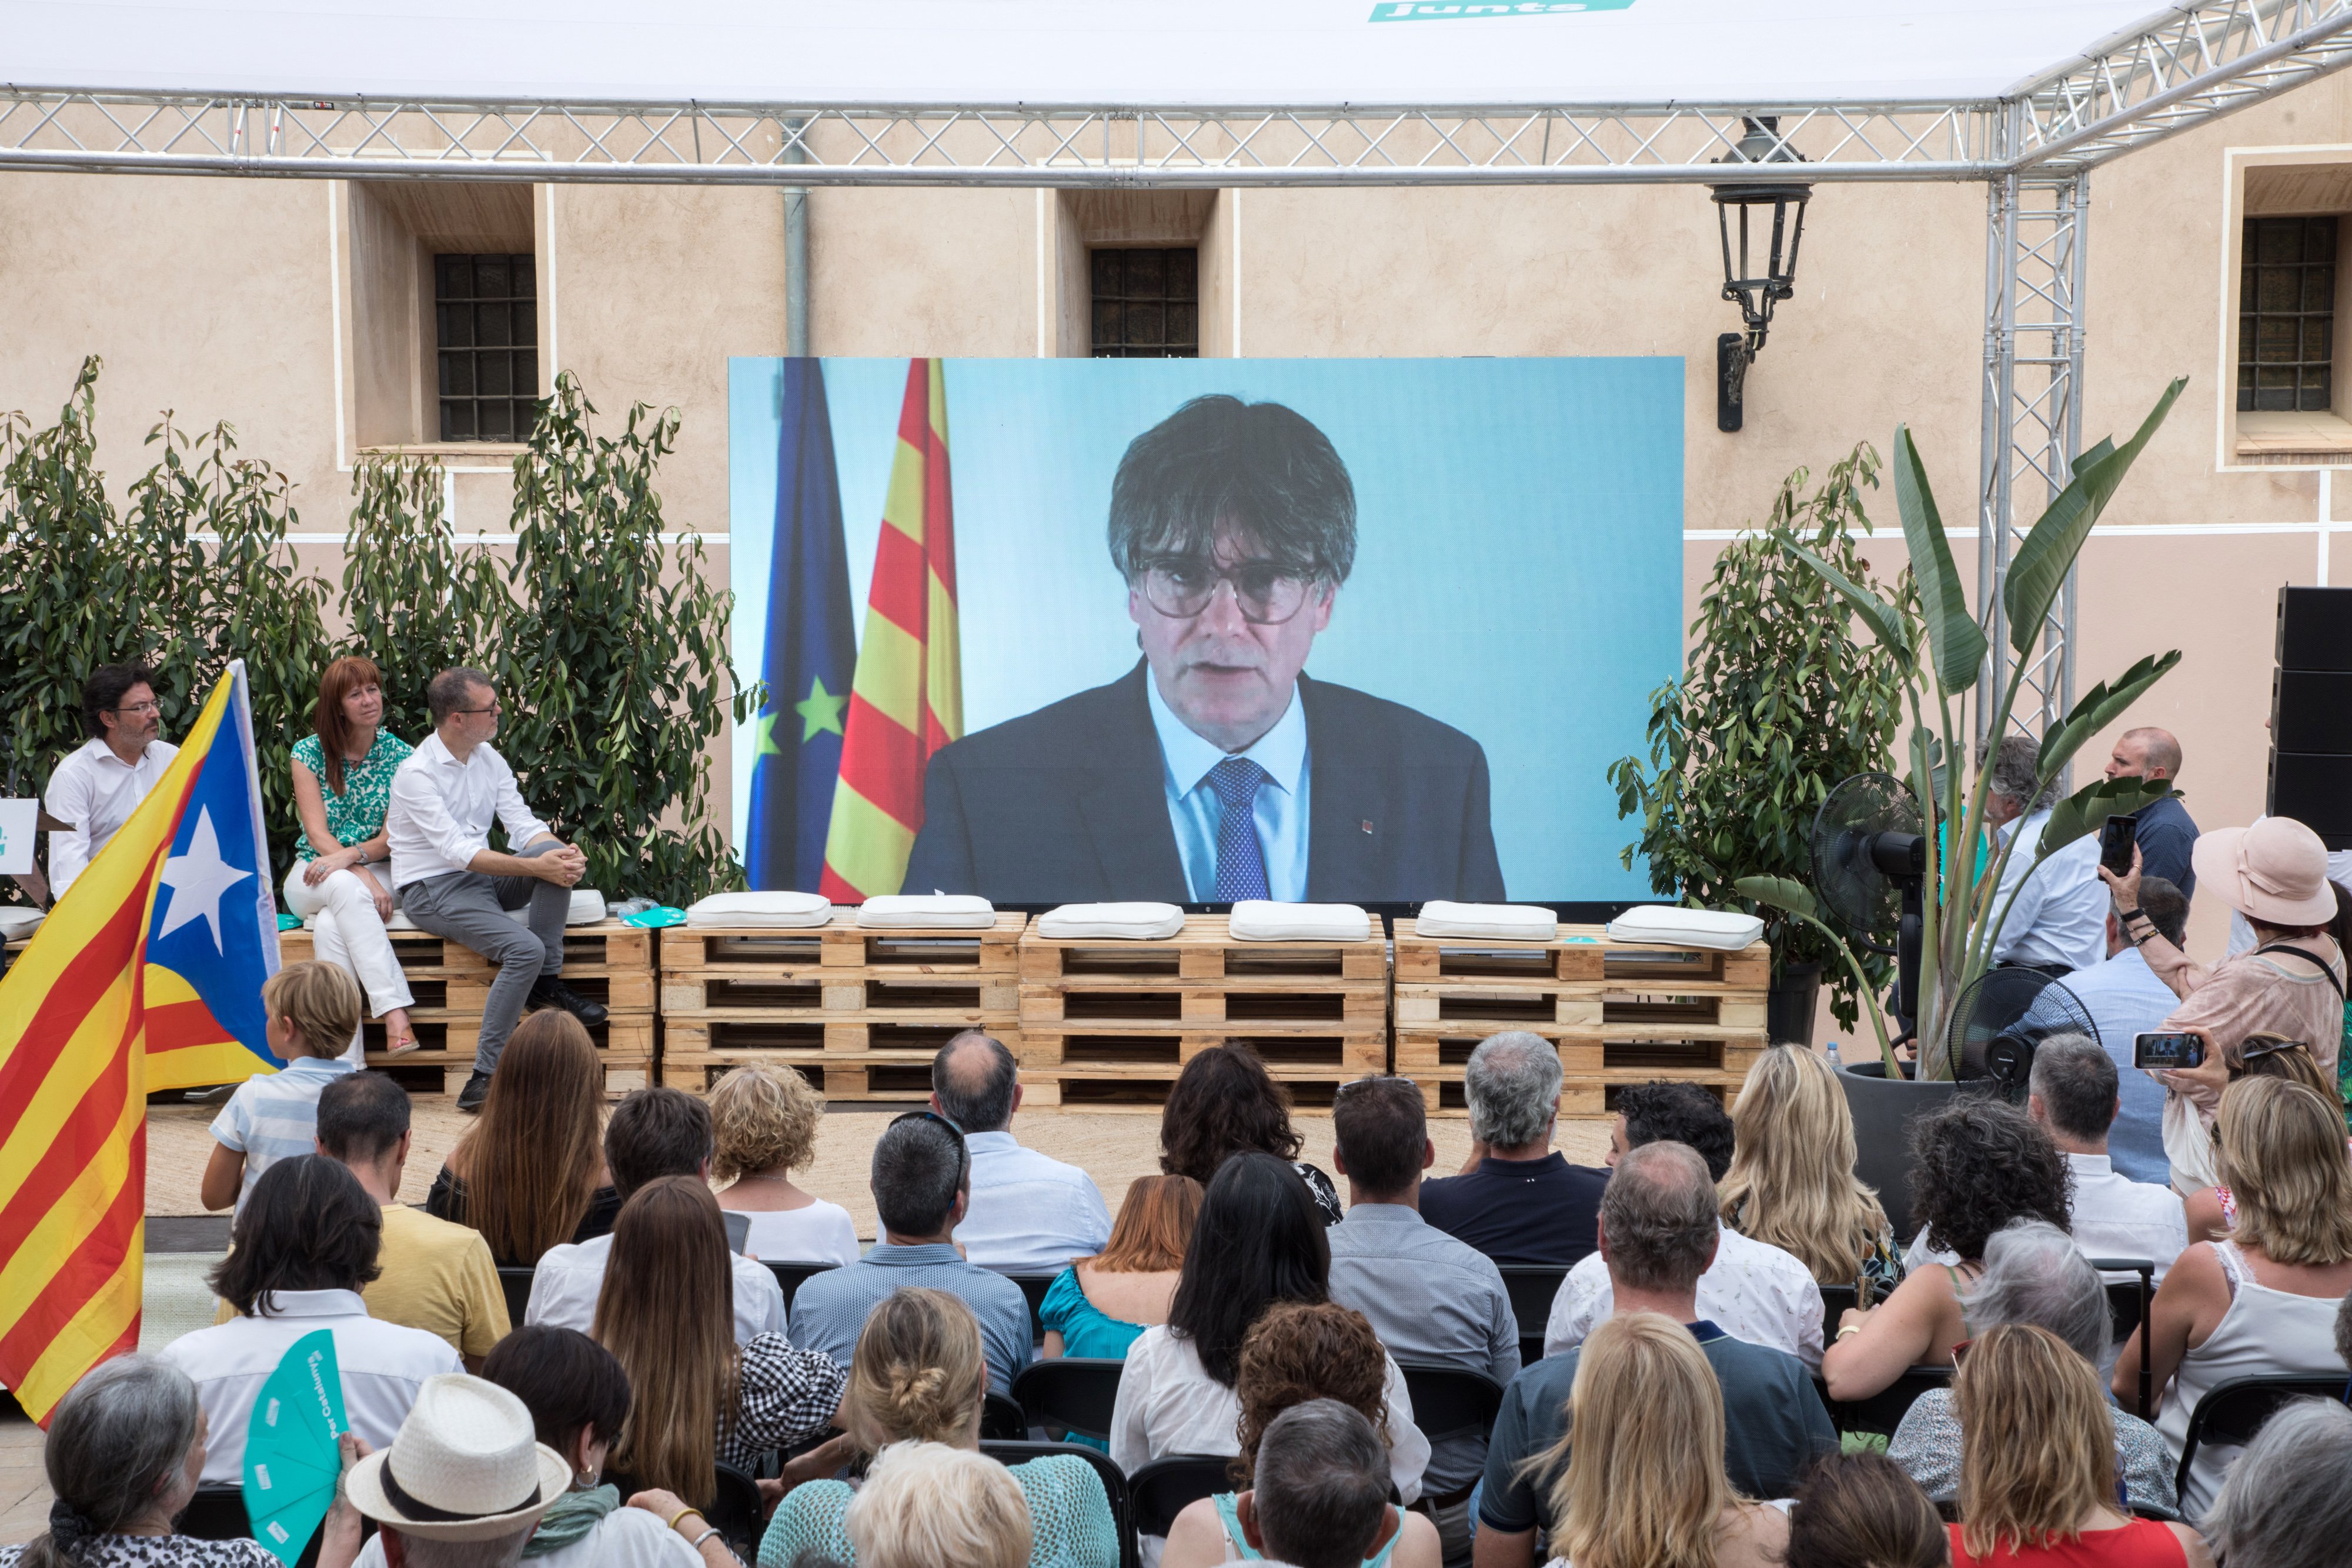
292,1461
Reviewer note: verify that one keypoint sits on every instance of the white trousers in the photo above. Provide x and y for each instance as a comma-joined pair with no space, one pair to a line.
348,932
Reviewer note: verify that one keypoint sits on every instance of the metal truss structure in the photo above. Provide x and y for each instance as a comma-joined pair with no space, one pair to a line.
2033,146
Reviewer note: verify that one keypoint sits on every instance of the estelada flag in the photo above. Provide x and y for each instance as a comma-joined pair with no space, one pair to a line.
146,975
906,700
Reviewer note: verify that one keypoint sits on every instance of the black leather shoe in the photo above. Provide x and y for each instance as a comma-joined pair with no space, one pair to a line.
477,1090
550,992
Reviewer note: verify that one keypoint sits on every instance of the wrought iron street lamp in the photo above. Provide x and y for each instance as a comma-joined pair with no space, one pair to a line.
1756,293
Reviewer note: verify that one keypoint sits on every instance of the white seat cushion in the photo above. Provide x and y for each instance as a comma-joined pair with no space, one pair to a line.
1665,924
772,908
17,921
1129,922
1501,922
950,911
1262,920
587,909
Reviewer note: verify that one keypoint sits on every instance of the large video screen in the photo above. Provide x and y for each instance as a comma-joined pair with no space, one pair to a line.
1060,631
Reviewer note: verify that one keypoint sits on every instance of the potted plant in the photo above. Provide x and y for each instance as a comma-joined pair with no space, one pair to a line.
1783,699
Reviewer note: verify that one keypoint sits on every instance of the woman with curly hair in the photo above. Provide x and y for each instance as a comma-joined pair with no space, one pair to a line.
765,1119
1224,1102
1791,1181
1295,1354
1977,1164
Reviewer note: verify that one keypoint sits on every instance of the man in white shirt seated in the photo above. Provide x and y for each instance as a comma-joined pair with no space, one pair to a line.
1751,1289
1029,1211
96,788
2072,1094
451,882
2059,921
653,1133
2126,999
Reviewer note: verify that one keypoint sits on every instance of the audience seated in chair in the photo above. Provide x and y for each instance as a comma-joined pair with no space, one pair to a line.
311,1010
2074,1094
1096,1306
702,1400
921,1183
1224,1102
1297,1354
653,1133
2035,1274
2212,1210
1029,1212
2125,999
927,1505
1860,1510
1791,1183
2038,1466
2263,1303
530,1175
1430,1298
1753,1291
919,1375
1978,1163
123,1456
2287,1502
1516,1200
1658,1235
303,1248
766,1117
1318,1496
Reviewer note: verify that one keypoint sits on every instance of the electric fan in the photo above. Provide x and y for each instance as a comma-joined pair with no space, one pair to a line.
1870,870
2002,1018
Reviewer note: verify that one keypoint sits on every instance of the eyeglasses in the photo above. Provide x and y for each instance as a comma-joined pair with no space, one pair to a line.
2258,1046
1266,593
494,707
963,1155
150,705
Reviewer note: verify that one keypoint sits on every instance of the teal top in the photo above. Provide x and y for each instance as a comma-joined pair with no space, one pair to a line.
1069,1517
1232,1521
356,815
1085,1328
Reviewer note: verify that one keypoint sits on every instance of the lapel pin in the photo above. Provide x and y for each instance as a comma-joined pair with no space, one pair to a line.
1366,825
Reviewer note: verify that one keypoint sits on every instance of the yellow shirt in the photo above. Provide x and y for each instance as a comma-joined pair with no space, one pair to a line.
437,1276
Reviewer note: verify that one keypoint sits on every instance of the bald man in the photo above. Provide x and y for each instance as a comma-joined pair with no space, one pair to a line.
2166,832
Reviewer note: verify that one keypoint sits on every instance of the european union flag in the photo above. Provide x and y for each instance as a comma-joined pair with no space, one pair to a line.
812,650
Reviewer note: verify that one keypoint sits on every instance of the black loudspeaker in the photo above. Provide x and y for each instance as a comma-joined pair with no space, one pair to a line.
2311,713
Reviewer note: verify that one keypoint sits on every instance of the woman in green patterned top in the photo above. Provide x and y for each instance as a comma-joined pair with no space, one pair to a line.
342,783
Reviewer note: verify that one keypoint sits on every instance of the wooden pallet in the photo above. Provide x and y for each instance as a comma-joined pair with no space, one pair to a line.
1591,1069
607,962
1204,950
848,950
1579,953
624,1050
1087,1067
870,1060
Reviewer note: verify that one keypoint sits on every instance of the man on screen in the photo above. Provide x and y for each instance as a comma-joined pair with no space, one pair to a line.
1217,770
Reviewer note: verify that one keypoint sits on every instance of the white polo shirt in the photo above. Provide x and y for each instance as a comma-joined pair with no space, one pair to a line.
569,1278
96,791
1753,1291
383,1366
440,812
2116,1216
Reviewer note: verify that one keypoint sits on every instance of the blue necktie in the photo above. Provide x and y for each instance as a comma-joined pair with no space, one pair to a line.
1240,859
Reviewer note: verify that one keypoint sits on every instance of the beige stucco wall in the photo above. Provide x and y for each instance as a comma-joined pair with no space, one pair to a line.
231,299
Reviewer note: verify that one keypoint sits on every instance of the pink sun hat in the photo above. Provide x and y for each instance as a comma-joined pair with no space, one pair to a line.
2274,871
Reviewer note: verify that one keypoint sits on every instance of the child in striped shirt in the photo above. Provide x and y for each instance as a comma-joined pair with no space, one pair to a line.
314,1010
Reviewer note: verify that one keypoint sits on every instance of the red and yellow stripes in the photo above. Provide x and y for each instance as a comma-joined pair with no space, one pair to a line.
906,701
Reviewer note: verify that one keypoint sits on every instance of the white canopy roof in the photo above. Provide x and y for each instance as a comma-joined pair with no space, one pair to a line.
1166,53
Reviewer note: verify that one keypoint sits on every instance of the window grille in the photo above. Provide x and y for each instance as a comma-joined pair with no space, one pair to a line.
1147,304
486,311
2286,321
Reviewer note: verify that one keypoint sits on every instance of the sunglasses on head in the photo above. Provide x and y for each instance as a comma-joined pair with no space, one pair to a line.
963,1155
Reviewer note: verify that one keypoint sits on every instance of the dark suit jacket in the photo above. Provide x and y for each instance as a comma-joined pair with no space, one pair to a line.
1066,805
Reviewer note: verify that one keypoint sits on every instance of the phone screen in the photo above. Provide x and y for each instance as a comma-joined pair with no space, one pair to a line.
2116,836
2166,1048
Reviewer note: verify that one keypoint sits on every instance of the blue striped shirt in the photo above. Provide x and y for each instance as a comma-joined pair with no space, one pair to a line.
830,1310
276,1116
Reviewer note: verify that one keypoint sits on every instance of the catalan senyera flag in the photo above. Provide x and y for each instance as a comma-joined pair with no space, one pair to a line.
906,701
146,975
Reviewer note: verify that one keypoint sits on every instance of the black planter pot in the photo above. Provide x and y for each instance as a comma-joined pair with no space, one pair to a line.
1794,999
1883,1114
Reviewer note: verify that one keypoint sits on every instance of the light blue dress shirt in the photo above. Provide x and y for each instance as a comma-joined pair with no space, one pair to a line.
1029,1211
2124,998
1280,809
830,1311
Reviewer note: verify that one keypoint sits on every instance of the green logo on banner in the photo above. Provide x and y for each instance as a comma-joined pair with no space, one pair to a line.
1462,10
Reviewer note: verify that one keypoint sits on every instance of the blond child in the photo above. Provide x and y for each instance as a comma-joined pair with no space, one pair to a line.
313,1010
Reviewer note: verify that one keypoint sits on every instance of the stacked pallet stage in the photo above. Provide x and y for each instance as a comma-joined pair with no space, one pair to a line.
1107,1024
1618,1012
607,962
860,1011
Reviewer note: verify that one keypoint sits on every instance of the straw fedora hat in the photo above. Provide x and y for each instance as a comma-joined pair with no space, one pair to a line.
466,1466
2274,871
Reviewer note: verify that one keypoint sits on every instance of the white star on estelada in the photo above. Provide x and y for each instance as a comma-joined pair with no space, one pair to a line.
197,880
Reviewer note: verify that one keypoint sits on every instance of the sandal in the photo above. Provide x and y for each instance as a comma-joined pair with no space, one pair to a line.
401,1045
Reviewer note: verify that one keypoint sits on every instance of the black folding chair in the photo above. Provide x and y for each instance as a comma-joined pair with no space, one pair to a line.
2128,1312
1076,1393
217,1513
1163,1489
1034,1288
514,1279
1449,1401
734,1510
2233,1413
1882,1412
1001,1420
1532,1287
1113,1478
791,1276
1836,1299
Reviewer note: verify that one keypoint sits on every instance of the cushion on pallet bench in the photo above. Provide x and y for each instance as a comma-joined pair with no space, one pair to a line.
1127,922
1663,923
1500,922
587,909
954,911
784,909
1262,920
17,921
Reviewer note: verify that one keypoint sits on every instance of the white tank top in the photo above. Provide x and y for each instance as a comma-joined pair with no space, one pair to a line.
2265,1333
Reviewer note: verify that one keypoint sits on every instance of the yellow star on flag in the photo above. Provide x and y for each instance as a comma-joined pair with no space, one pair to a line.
822,711
764,736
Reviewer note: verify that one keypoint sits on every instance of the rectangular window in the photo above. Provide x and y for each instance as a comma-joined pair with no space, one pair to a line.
486,310
2287,322
1147,304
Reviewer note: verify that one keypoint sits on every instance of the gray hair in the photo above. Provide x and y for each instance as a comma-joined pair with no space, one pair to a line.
2287,1501
444,692
1513,1086
975,1093
2167,907
2033,1273
1322,1485
2074,1079
2014,766
427,1551
118,1438
1658,1216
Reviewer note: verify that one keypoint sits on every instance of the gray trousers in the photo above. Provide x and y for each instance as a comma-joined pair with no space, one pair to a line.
468,908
